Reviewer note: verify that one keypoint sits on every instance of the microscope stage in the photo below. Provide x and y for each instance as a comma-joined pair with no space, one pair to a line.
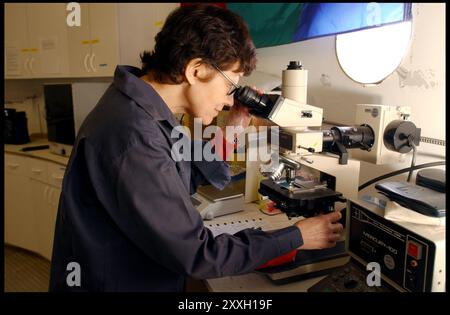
299,201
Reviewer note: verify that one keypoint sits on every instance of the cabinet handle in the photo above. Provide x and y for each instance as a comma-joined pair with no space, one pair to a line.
53,197
91,62
36,171
25,64
13,165
56,197
58,177
31,65
50,198
85,63
46,193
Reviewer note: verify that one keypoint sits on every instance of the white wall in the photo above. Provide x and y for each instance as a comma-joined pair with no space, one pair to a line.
138,34
423,89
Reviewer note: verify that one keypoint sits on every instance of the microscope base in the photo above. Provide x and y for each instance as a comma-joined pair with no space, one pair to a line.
309,264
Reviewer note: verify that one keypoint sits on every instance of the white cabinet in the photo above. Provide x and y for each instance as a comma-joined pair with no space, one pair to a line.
94,45
104,38
35,40
32,191
47,33
19,216
40,44
79,44
17,48
45,202
45,193
42,217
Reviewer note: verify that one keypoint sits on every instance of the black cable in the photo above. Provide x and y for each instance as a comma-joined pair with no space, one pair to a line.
417,167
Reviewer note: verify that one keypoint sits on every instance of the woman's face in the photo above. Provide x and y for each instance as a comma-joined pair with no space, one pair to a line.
207,98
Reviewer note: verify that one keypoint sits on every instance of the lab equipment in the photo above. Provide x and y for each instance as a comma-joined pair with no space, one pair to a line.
315,173
212,202
410,257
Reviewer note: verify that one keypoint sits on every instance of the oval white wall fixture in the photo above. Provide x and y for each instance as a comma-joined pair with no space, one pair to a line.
369,56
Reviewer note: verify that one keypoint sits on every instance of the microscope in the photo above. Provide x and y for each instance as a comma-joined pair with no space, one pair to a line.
314,180
314,174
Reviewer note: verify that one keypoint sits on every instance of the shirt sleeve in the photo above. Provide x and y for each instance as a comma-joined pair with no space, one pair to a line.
155,212
216,172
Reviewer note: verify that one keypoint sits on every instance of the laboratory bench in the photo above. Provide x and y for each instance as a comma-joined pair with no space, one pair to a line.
33,183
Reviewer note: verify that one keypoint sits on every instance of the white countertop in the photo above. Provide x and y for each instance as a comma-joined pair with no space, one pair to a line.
40,154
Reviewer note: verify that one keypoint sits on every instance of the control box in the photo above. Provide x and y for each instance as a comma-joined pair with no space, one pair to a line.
411,256
378,117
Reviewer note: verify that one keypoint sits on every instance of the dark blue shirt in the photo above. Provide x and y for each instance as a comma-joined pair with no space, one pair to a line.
125,215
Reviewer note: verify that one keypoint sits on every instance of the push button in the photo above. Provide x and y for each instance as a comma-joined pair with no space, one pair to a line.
414,250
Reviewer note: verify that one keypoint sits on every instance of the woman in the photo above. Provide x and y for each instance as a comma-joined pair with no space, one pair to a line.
125,219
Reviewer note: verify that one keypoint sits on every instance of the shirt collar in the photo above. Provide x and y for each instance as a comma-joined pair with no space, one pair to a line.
127,80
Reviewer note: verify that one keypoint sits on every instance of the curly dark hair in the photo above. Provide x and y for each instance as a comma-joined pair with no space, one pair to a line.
217,36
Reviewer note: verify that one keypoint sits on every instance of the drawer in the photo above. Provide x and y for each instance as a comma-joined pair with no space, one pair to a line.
55,174
37,169
16,164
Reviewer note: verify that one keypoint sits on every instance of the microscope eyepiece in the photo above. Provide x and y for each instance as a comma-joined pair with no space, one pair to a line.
294,65
258,104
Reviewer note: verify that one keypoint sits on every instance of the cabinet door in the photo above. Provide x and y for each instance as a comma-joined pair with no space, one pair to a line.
54,203
19,211
103,22
17,50
45,198
56,174
79,43
38,169
40,195
49,222
55,180
48,39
